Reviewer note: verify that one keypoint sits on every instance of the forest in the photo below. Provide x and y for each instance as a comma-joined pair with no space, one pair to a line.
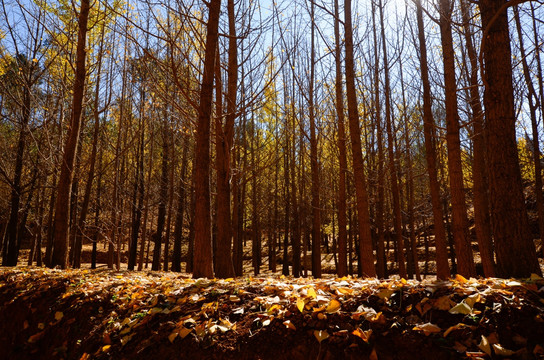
223,139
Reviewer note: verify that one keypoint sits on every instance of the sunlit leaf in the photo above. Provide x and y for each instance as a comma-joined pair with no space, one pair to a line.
499,350
333,306
460,279
461,308
427,328
288,324
365,335
300,304
311,293
485,346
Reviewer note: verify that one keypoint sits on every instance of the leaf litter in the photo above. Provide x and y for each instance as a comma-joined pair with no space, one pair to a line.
102,314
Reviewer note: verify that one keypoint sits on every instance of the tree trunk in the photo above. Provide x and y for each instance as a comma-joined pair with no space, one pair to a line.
314,164
482,220
203,254
465,260
442,266
342,268
516,254
366,256
62,206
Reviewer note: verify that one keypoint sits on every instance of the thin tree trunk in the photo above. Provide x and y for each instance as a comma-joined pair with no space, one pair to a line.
465,260
479,170
442,266
203,254
365,238
343,163
397,217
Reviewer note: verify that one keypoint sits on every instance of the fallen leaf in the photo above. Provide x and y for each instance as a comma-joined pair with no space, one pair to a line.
35,337
106,348
484,346
427,328
183,332
499,350
443,303
461,308
365,335
321,335
311,293
288,324
173,336
300,304
333,306
460,279
454,327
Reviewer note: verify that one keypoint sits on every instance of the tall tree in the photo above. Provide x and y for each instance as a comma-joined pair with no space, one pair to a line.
62,205
365,239
203,254
516,254
442,267
465,260
342,269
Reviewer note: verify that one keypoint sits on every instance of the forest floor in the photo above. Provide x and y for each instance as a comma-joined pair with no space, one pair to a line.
107,314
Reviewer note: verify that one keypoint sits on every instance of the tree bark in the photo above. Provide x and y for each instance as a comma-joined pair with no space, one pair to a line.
365,248
442,266
516,254
62,206
203,253
465,260
342,268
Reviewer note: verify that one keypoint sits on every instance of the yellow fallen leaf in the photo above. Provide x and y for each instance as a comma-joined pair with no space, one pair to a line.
106,348
300,304
183,332
173,336
321,335
460,279
365,335
288,324
312,293
333,306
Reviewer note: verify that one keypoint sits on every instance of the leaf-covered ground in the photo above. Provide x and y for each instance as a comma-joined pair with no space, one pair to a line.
102,314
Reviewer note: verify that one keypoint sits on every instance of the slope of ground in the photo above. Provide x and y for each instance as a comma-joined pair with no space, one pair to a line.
103,314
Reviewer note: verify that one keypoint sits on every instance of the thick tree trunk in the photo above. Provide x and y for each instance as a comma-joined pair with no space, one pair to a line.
516,254
62,206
